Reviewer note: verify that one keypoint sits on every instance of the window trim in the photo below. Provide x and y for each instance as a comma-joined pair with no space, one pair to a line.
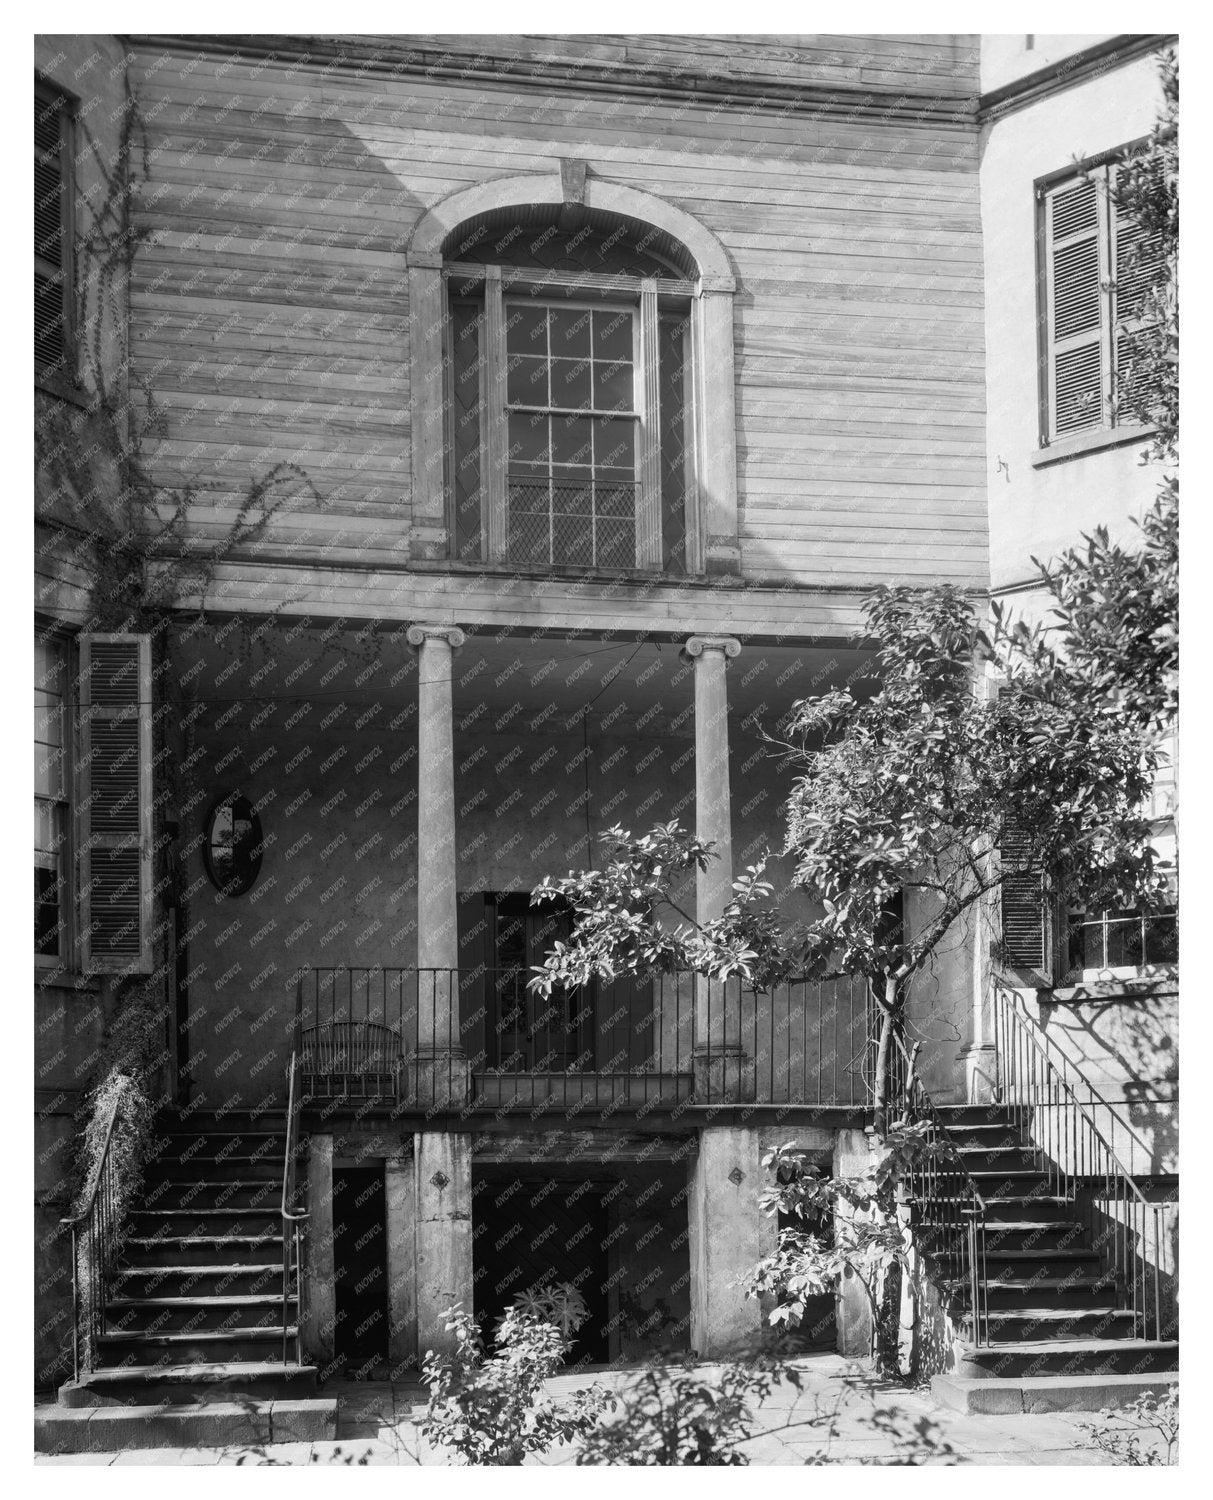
1113,431
713,530
64,382
649,298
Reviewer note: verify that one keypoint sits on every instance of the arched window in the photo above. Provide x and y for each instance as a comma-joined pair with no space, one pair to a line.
573,429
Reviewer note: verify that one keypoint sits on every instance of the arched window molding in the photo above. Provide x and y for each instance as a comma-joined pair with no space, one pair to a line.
712,528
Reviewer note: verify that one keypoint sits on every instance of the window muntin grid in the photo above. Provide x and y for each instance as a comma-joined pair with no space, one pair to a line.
573,404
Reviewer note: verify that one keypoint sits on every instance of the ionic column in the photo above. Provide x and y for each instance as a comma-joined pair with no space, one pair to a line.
721,1071
441,1068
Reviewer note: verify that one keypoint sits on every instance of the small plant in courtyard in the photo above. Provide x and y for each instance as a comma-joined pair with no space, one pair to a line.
491,1408
1145,1434
675,1414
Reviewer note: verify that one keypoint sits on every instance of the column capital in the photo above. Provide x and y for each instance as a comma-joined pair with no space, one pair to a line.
697,644
417,635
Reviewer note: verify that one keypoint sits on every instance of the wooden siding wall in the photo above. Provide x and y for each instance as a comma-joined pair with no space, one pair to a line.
270,313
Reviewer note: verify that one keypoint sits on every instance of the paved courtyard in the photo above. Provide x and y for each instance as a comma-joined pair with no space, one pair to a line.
841,1415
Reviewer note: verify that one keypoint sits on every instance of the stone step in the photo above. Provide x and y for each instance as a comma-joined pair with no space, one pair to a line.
147,1222
1005,1237
1006,1159
167,1314
1068,1357
237,1165
985,1135
203,1345
201,1249
211,1424
1039,1208
1043,1393
1010,1290
1038,1324
171,1280
185,1191
954,1116
135,1384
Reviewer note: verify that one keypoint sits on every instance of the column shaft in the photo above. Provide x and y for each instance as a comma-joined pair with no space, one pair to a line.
441,1073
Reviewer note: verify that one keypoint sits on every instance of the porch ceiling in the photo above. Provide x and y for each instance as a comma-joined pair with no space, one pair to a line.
615,682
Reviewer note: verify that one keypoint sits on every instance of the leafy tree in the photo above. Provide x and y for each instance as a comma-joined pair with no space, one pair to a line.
904,794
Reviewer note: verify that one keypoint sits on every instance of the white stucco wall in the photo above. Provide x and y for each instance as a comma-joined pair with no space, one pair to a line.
1042,510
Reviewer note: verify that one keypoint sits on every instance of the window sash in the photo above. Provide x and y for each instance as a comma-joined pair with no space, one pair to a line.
606,542
1119,944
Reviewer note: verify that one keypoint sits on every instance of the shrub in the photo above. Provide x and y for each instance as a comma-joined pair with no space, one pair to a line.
1119,1434
673,1415
491,1408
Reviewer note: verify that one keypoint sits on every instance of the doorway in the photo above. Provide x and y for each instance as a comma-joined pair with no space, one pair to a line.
360,1265
531,1229
528,1032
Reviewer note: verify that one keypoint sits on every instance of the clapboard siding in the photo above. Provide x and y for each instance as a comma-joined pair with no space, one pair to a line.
271,316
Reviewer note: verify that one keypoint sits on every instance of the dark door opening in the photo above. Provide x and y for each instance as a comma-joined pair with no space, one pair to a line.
360,1265
532,1230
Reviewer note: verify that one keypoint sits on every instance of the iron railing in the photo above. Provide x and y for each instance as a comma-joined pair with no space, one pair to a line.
1034,1082
293,1221
952,1212
95,1244
481,1037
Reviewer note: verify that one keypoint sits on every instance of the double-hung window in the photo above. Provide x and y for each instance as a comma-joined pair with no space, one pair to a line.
574,404
1096,269
570,430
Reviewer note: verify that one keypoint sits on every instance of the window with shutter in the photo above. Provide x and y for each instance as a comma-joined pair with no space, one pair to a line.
53,202
115,811
1026,922
1097,269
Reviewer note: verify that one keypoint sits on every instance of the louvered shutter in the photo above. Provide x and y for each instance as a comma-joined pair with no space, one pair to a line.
52,231
1079,359
1026,923
116,805
1138,261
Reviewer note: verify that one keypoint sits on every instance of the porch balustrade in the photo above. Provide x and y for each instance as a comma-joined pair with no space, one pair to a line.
651,1044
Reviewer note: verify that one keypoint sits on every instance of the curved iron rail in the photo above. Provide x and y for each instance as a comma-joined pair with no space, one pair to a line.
96,1245
292,1220
1078,1158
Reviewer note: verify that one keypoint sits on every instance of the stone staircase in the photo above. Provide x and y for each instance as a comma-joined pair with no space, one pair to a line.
1061,1335
194,1312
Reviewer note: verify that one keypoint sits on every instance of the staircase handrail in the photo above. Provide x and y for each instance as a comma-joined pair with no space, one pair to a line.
101,1217
1127,1258
292,1218
1045,1050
